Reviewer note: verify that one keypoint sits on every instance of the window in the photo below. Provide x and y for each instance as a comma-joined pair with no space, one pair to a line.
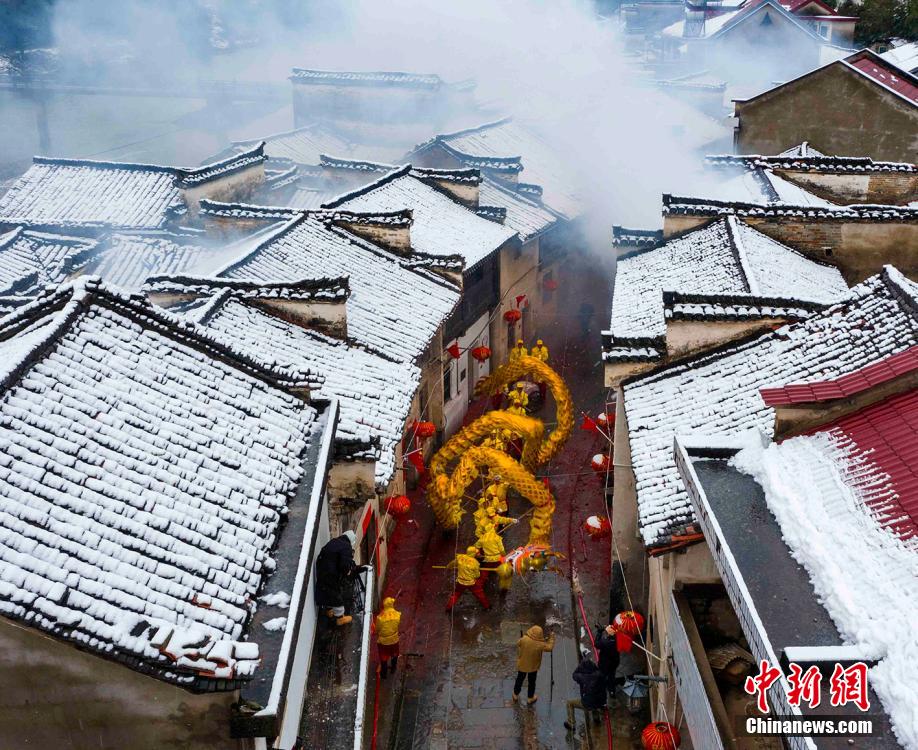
447,381
511,337
823,30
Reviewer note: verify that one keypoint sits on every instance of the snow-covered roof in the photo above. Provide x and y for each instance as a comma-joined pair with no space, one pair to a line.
96,194
511,141
374,393
145,473
526,214
305,145
442,226
717,393
127,260
29,260
728,261
395,306
866,583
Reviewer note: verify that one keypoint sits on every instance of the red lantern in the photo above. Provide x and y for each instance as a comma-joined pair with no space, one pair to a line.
598,527
604,420
628,622
660,736
512,316
481,353
627,625
600,463
425,429
550,285
398,505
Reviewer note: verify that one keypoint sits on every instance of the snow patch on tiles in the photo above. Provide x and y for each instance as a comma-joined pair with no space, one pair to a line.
275,624
277,599
863,574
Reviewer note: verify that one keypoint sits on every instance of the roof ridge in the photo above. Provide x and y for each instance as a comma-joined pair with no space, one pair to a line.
365,165
66,302
477,128
739,252
10,237
902,288
310,284
99,164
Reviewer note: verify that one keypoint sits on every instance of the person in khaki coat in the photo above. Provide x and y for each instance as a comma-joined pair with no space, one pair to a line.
529,650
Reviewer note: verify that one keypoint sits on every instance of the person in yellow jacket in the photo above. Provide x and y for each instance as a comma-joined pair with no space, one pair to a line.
496,496
540,352
468,578
518,394
492,548
518,351
387,622
498,521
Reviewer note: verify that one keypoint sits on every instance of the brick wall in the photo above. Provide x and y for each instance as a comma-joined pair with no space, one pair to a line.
896,188
838,111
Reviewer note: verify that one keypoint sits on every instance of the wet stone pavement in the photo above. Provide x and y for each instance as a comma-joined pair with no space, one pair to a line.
454,683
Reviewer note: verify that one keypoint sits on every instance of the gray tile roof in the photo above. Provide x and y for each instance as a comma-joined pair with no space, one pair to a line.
717,393
145,472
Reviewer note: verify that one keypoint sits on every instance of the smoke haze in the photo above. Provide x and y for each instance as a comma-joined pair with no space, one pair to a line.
552,64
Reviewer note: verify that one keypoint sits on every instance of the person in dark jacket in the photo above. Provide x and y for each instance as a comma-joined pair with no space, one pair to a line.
335,567
608,656
592,692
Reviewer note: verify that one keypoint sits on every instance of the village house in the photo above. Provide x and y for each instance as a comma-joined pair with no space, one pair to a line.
704,288
861,105
840,180
501,151
522,211
859,239
390,324
712,610
88,197
153,597
448,220
753,44
856,435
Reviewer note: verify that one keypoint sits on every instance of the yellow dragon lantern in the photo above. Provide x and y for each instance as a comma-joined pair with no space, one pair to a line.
463,458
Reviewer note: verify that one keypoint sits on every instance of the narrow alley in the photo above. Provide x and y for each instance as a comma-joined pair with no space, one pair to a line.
455,679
